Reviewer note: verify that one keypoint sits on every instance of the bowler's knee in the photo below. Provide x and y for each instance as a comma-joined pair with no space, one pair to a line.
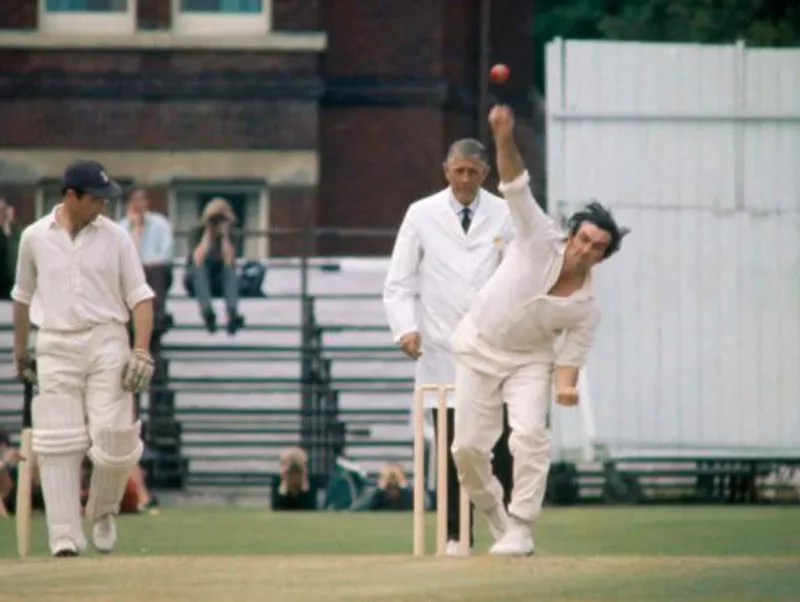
466,457
532,440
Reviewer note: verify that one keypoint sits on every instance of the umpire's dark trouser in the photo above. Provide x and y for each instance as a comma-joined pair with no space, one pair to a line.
501,463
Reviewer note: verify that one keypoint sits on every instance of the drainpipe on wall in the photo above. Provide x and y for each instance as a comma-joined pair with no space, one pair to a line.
483,73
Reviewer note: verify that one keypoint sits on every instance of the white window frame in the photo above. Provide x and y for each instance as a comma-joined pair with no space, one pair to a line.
221,24
79,23
183,212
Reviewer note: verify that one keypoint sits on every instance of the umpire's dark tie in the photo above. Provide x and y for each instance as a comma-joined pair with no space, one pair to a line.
466,219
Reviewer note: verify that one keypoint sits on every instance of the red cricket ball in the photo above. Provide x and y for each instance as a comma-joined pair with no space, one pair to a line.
499,73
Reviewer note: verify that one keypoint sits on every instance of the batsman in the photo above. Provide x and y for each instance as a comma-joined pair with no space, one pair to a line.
83,275
530,328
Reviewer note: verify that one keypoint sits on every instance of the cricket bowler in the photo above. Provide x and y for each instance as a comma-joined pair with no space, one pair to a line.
531,327
83,272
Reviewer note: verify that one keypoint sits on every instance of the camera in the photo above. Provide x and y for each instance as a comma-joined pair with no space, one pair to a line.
217,219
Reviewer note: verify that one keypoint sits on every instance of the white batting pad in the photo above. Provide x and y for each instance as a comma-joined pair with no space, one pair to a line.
114,453
58,425
60,477
60,440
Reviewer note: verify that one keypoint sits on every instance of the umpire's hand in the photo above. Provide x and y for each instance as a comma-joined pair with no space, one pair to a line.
411,344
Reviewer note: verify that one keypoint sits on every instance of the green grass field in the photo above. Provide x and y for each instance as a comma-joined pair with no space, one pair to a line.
633,554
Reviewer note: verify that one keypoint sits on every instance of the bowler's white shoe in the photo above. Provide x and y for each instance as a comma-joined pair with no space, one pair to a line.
517,541
104,533
498,522
65,548
454,549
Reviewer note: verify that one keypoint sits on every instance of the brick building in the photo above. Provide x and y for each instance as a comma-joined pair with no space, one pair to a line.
337,112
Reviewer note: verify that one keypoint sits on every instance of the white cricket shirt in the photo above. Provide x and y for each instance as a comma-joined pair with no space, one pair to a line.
513,312
95,278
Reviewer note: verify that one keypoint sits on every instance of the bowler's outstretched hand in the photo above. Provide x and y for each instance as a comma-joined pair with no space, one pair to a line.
501,120
567,397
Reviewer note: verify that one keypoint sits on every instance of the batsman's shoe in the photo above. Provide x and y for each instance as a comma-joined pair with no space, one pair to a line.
65,548
104,534
517,541
454,549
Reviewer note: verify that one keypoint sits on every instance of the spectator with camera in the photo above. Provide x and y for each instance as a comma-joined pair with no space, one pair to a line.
393,492
292,488
211,265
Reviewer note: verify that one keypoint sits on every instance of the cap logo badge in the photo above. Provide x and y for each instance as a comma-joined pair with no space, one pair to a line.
104,176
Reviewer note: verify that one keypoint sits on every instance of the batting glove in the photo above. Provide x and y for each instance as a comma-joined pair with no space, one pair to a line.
137,374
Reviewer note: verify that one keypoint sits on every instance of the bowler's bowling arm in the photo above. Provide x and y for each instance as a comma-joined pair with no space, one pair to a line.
529,219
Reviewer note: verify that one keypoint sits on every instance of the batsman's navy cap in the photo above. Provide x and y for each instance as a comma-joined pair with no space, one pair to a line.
91,178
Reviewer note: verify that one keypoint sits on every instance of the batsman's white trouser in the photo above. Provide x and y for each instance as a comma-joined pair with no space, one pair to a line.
80,401
479,423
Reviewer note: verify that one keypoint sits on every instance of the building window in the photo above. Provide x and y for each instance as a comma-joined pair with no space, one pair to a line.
87,6
79,17
221,17
222,6
248,199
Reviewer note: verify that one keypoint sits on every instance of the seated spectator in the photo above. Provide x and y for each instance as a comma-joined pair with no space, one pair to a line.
144,500
152,235
393,492
346,486
9,245
211,265
292,490
9,459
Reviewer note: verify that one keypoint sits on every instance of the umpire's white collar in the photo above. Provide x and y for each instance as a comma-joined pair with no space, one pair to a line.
458,207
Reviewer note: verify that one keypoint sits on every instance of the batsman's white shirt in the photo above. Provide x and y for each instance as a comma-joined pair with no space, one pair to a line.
75,284
514,320
435,259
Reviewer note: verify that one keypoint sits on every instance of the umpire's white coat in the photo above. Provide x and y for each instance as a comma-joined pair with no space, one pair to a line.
435,259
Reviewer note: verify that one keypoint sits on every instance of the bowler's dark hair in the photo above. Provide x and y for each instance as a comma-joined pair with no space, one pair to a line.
596,214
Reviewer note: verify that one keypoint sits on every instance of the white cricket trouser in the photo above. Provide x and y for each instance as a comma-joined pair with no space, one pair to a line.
80,394
526,391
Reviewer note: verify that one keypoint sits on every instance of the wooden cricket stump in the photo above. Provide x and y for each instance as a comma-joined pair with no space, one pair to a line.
441,453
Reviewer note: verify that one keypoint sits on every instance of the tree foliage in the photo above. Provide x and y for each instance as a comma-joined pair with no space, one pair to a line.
757,22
